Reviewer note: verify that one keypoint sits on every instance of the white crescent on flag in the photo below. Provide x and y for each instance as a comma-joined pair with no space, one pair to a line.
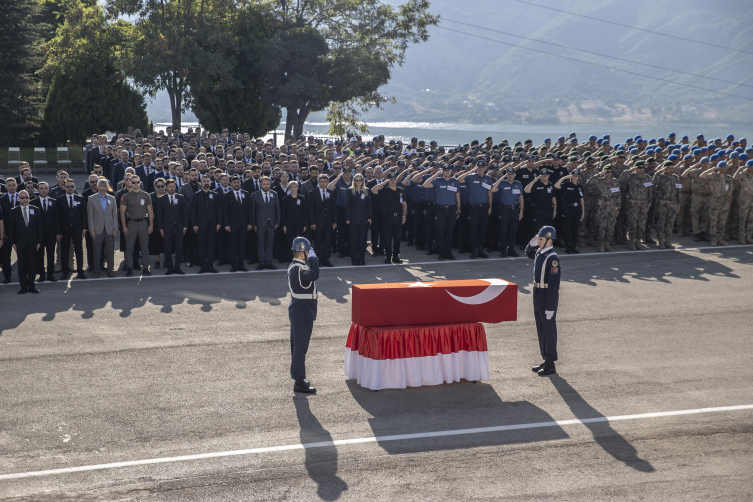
495,288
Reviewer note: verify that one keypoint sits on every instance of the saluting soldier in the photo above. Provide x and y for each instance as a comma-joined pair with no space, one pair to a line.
302,275
639,196
667,199
546,290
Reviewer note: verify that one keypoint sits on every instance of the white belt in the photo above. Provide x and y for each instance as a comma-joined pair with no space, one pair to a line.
301,296
304,297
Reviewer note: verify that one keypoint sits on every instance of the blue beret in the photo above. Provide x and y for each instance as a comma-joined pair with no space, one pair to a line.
717,139
749,163
743,139
734,155
621,148
700,136
684,148
547,139
651,141
705,159
719,151
606,136
561,138
599,141
671,135
743,157
637,136
572,135
591,137
573,140
730,136
658,149
672,157
735,143
713,158
749,150
688,157
628,140
721,164
660,139
739,150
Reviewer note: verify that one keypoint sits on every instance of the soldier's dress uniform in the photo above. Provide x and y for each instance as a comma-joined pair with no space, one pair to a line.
546,289
302,278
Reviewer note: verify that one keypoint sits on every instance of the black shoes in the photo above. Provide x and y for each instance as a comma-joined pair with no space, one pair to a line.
145,271
212,270
388,260
157,265
129,272
503,254
241,268
397,261
260,267
178,271
81,275
271,266
22,290
233,268
536,369
303,386
481,253
51,278
6,280
327,263
169,272
441,257
450,256
32,290
473,254
512,252
548,369
202,270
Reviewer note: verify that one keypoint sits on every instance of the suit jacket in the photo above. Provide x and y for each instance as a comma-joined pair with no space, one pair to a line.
187,192
357,209
51,217
294,209
118,173
306,188
170,216
265,214
206,209
234,215
102,221
250,186
24,236
72,219
322,212
153,176
20,182
5,206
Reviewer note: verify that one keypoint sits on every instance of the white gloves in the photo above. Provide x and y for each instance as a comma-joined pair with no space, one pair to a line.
549,314
312,253
534,241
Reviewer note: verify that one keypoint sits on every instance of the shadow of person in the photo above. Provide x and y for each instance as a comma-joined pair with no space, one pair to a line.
450,407
604,435
321,461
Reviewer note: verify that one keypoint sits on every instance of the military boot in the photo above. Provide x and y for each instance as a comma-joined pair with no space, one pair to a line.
668,244
721,241
632,245
591,242
743,240
602,245
661,242
750,239
581,243
608,247
679,232
638,245
647,238
713,240
619,238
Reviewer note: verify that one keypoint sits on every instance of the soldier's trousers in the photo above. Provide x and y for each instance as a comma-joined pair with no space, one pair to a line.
571,219
699,212
622,223
683,219
733,221
588,225
419,225
606,219
666,212
429,212
547,331
718,212
300,336
637,215
745,226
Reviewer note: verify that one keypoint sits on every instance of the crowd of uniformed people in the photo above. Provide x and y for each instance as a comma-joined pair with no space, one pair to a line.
195,199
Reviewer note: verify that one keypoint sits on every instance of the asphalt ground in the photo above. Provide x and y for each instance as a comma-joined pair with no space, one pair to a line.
145,370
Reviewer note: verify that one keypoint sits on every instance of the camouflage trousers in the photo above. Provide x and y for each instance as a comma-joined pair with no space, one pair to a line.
666,212
733,222
718,212
699,212
604,220
683,219
588,225
637,213
745,226
622,225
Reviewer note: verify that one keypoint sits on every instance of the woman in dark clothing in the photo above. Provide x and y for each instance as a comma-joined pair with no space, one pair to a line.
294,217
156,241
358,218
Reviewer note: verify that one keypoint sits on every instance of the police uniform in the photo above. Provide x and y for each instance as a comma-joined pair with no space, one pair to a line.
479,186
446,212
546,287
509,214
302,278
571,197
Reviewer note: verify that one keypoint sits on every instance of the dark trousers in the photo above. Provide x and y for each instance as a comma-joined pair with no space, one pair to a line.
571,216
526,226
206,238
322,239
68,237
300,336
221,247
547,331
5,257
265,240
392,227
46,248
236,246
463,232
419,225
508,226
251,253
279,247
478,220
89,250
173,245
376,230
541,218
357,243
444,223
290,235
27,264
343,234
190,246
409,229
429,211
492,230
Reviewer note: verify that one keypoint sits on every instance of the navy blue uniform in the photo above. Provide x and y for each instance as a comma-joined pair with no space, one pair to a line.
445,214
509,213
302,278
479,210
546,294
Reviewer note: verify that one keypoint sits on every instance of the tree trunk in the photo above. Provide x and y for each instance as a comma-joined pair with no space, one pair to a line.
296,118
289,124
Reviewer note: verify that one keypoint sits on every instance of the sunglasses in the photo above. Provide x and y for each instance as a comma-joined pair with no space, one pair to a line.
22,198
159,186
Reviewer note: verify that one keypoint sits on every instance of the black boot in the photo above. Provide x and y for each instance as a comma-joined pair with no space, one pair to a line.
573,248
473,254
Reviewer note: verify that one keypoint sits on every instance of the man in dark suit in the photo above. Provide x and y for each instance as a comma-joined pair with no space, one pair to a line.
7,202
266,218
172,222
252,185
118,170
73,226
236,215
322,214
48,208
206,217
26,232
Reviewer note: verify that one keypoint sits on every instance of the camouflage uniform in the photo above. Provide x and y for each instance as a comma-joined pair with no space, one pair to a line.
666,201
651,213
639,195
621,227
683,218
733,222
699,206
745,228
589,206
720,185
607,202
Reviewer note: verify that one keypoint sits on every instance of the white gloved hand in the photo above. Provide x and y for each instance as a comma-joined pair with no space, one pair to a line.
312,253
534,241
549,314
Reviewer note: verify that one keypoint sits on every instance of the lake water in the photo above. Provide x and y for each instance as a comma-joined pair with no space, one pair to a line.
450,133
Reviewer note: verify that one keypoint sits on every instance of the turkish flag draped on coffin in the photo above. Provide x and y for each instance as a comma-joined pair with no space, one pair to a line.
438,302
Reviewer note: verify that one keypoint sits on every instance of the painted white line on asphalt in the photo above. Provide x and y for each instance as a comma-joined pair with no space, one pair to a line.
370,439
284,269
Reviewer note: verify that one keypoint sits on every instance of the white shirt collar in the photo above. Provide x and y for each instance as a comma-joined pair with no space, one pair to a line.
542,251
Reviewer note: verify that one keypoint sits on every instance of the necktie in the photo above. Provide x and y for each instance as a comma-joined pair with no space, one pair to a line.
26,217
70,200
13,201
172,200
238,196
266,201
323,196
257,184
44,204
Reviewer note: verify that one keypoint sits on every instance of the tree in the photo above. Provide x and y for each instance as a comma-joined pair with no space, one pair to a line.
335,51
240,106
78,107
177,44
20,57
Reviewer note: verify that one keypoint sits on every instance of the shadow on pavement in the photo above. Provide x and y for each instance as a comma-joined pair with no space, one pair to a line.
462,405
321,462
604,435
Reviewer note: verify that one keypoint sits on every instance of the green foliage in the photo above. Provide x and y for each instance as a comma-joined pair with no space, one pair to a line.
21,100
78,107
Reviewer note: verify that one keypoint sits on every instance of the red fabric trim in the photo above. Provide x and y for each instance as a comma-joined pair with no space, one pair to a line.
399,342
